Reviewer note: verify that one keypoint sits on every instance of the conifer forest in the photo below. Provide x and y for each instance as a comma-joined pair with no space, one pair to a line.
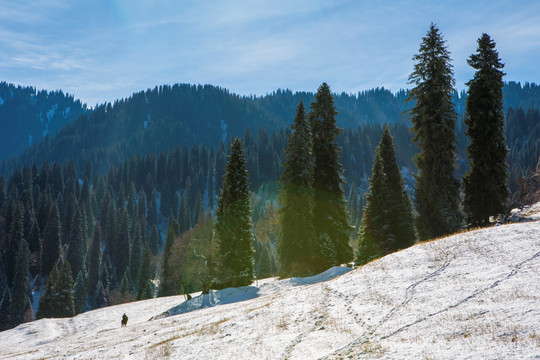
183,188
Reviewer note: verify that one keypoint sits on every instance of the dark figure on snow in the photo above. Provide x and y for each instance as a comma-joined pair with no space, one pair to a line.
124,320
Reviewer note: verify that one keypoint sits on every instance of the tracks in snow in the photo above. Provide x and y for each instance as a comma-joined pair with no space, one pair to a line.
496,283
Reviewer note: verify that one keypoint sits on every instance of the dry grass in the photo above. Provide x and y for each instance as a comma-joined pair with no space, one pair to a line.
162,350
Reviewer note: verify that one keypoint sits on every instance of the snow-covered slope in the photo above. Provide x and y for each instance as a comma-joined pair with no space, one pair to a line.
474,295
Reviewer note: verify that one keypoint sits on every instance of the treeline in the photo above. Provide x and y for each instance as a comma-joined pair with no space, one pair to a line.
28,115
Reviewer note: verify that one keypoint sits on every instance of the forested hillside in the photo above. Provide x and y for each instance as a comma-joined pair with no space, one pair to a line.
28,115
122,186
183,115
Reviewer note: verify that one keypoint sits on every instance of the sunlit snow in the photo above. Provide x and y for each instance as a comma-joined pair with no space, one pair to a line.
475,295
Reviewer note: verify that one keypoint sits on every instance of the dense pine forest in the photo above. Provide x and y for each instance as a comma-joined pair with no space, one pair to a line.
28,115
183,188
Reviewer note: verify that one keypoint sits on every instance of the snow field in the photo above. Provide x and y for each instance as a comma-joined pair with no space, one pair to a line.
475,295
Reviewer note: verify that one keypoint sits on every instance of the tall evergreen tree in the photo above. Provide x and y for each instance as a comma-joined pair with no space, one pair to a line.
485,186
296,234
135,254
64,304
77,244
94,263
168,286
5,306
233,222
79,294
50,248
100,296
434,120
20,302
154,239
47,301
331,220
14,242
144,285
119,251
387,222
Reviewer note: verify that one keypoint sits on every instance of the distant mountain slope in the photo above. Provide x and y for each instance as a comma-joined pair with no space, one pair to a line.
474,295
27,115
183,115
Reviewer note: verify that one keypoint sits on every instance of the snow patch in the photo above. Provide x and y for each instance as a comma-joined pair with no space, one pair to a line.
51,112
223,126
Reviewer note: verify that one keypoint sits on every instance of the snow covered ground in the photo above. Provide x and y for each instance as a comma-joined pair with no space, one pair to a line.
475,295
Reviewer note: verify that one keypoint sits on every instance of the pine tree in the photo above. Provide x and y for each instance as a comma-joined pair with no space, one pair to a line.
264,268
154,239
168,286
100,296
434,121
485,186
126,287
233,222
119,251
331,220
64,304
77,243
21,287
5,306
295,247
184,215
400,214
47,301
387,222
14,242
50,248
79,294
94,263
144,285
136,249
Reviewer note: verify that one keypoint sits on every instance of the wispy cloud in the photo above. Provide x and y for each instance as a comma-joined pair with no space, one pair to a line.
104,50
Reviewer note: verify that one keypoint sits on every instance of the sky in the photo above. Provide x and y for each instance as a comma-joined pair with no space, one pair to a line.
104,50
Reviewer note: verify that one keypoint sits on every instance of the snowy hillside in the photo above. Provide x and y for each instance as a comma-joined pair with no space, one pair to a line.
475,295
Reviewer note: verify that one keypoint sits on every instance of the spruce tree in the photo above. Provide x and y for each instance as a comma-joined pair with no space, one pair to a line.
94,263
331,220
119,251
144,285
14,242
100,296
77,244
387,222
168,285
400,218
126,287
233,222
485,186
295,248
154,239
21,287
434,120
5,306
136,249
64,304
50,248
47,301
79,294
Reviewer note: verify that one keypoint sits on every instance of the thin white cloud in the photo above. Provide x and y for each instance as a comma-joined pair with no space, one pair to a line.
107,50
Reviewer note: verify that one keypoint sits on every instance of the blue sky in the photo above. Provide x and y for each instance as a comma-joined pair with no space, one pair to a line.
103,50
